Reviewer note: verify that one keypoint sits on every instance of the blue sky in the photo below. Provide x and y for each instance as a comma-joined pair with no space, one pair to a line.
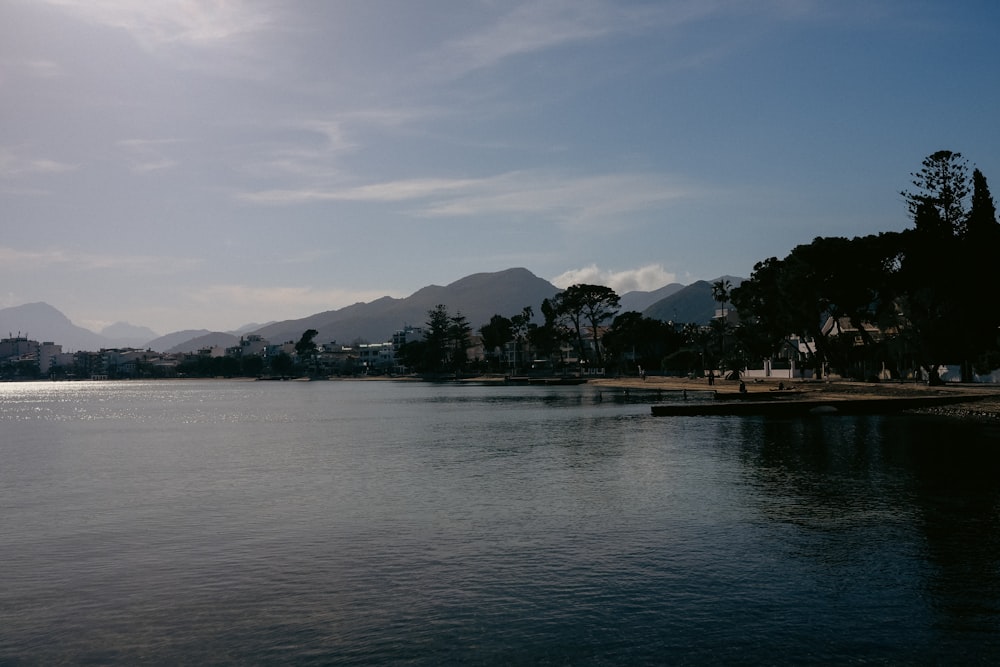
205,164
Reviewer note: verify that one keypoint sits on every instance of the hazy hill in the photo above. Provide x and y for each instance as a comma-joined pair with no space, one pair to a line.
478,297
192,340
692,304
41,322
128,335
247,328
164,343
207,339
640,301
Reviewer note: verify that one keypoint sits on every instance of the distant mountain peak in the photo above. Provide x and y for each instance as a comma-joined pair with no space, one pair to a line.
43,322
478,297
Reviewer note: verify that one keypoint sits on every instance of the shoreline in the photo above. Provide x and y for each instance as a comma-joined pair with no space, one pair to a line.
983,403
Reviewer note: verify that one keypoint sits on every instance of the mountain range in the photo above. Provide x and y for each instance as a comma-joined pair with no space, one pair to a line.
478,297
693,303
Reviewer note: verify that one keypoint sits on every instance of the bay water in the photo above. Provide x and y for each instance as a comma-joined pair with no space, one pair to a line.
379,522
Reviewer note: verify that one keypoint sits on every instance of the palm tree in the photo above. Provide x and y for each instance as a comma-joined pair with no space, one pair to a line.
720,292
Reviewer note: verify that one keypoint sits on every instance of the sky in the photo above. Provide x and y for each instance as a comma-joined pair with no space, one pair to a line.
189,164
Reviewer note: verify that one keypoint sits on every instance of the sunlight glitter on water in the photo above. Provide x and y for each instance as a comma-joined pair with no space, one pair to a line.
378,522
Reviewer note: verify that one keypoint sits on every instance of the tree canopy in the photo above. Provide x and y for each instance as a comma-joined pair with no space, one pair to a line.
894,300
921,288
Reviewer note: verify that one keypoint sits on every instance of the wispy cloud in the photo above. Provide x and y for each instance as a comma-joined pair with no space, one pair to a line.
13,258
147,154
32,68
312,156
567,198
163,22
312,149
393,191
645,278
557,196
13,164
528,28
536,26
43,69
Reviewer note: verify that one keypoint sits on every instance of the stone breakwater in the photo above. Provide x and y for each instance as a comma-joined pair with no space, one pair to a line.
987,410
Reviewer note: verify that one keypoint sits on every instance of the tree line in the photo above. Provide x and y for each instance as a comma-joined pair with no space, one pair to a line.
573,322
924,290
911,300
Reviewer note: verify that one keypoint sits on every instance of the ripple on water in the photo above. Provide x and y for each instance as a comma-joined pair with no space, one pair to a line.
371,523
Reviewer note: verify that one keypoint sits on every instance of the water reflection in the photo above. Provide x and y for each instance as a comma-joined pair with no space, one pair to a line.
955,485
384,523
844,489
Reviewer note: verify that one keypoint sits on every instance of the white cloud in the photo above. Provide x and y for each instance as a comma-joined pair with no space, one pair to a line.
643,279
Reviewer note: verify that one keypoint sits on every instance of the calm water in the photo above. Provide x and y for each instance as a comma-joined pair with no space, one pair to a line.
379,522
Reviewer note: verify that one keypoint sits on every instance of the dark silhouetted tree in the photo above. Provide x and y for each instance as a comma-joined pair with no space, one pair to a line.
943,184
496,334
587,305
282,364
547,338
458,341
720,293
519,326
643,340
982,247
436,338
306,347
